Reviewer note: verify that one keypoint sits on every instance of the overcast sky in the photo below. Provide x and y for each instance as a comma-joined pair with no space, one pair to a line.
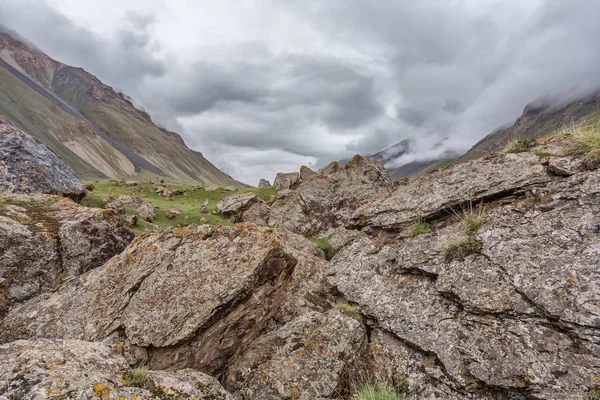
262,86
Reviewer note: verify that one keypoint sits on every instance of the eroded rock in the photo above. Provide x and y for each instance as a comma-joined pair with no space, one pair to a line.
246,207
45,239
328,200
84,370
219,286
28,166
286,181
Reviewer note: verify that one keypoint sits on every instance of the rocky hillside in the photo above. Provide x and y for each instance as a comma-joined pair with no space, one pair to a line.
479,281
539,119
94,129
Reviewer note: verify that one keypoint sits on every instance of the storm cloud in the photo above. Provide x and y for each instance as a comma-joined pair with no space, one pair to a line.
264,86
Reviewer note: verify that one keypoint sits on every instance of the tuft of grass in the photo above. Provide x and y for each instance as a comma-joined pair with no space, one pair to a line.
462,248
138,377
519,146
377,392
591,160
419,227
585,138
470,220
542,153
595,394
324,245
349,310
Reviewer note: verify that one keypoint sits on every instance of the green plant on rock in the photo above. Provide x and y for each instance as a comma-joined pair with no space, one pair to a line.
419,227
349,310
519,146
323,244
470,221
585,137
138,377
594,394
377,392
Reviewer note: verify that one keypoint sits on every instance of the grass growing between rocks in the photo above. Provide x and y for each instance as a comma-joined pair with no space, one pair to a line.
470,221
419,227
324,245
189,203
377,393
138,377
349,310
519,146
585,141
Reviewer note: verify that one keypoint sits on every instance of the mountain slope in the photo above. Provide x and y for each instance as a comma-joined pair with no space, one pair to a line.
96,130
538,120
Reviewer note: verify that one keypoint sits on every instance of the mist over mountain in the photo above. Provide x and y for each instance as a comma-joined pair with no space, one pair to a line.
274,85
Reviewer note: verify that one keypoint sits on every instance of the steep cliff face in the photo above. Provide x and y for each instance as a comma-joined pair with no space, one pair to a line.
96,130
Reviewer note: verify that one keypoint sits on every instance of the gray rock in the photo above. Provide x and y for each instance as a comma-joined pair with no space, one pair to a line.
45,239
328,201
306,173
27,166
521,318
246,207
264,184
452,187
83,370
286,181
305,359
221,288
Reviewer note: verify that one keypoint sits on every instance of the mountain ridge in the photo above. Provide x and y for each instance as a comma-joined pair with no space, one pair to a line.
95,129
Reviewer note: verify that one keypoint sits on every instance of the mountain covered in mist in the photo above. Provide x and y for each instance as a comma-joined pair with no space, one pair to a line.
94,129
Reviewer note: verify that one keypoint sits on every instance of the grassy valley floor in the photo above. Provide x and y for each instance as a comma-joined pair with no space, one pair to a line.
190,202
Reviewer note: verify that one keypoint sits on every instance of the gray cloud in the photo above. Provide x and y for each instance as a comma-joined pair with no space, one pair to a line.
317,80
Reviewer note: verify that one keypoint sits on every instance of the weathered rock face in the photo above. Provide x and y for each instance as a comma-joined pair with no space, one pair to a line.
327,201
286,181
263,183
84,370
28,166
219,286
246,207
519,319
144,209
306,359
473,181
45,239
306,173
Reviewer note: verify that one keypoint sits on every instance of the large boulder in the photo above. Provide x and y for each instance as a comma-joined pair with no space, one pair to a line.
308,358
286,181
246,207
73,369
328,201
46,239
442,190
29,166
306,173
263,183
519,317
192,297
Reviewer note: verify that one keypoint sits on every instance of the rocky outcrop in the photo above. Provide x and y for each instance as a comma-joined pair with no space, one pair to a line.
28,166
144,209
72,369
306,173
443,190
308,358
192,297
264,184
327,201
46,239
286,181
516,316
246,207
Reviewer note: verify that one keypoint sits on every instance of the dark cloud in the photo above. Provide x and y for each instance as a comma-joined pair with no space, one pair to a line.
336,76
